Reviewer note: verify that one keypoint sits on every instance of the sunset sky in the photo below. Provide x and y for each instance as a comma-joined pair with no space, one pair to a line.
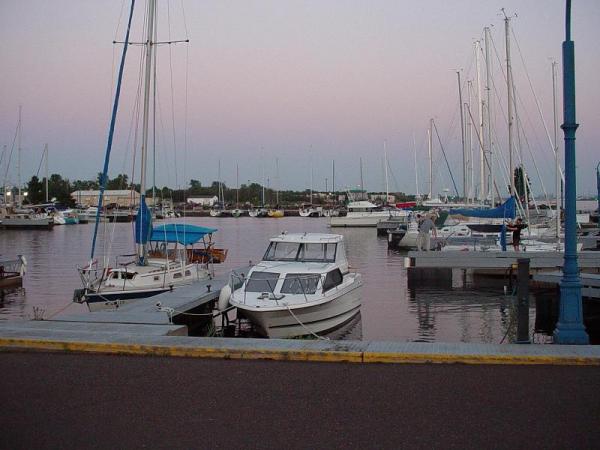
293,81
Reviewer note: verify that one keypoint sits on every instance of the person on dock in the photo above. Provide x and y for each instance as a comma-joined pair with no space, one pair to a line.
424,239
516,228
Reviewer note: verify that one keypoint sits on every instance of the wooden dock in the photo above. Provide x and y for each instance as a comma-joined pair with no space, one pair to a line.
496,260
590,282
173,313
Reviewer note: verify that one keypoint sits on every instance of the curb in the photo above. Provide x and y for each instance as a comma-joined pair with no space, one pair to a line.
300,354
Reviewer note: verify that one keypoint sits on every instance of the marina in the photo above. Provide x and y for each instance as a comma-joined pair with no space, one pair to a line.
298,210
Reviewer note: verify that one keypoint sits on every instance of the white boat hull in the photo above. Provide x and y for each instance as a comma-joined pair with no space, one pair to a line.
367,220
306,319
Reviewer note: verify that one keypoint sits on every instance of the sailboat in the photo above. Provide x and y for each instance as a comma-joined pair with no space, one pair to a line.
277,211
218,208
237,212
165,257
15,215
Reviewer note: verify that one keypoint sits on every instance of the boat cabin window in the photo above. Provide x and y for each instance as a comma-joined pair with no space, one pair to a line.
308,252
300,283
120,275
333,279
262,282
282,251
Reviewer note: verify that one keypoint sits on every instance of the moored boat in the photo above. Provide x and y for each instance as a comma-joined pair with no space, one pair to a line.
302,286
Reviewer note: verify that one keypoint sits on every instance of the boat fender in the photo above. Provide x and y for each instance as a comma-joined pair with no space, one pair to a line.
224,297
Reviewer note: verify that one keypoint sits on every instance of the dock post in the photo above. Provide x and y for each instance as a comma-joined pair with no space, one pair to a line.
570,329
523,301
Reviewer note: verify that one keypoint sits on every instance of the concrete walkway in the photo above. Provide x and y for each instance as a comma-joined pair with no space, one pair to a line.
82,401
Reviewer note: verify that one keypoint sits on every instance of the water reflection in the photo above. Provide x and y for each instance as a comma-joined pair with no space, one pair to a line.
440,308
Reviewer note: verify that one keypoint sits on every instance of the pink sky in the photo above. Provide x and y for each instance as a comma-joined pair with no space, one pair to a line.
340,76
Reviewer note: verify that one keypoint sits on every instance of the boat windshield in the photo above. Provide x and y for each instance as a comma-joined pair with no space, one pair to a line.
300,283
306,252
262,282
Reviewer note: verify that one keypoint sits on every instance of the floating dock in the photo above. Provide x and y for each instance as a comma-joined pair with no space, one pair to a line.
496,260
590,282
175,313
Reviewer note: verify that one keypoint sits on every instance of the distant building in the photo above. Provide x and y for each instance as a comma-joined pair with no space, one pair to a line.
122,197
391,199
203,200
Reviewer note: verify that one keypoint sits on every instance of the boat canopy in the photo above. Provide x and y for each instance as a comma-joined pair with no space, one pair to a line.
507,210
180,232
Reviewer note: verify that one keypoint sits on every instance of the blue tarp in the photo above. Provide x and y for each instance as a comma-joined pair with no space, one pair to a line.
180,232
143,223
507,210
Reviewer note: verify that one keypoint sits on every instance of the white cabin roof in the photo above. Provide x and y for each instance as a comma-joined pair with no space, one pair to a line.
311,238
361,204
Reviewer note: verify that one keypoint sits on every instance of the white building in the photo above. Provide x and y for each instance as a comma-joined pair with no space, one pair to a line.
203,200
122,197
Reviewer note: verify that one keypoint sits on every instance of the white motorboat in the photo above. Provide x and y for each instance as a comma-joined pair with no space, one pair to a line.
366,214
302,286
258,212
311,211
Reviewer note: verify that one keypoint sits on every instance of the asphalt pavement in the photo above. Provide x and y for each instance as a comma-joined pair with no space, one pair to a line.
58,400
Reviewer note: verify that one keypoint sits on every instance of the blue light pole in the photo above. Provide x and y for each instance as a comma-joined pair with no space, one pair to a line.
570,329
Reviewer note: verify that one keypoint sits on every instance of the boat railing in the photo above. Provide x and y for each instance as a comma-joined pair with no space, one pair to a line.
240,279
13,267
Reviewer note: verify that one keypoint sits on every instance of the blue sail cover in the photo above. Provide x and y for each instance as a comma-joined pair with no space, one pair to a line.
143,223
180,232
507,210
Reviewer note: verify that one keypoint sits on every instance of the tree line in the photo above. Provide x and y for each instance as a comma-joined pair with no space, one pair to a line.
60,189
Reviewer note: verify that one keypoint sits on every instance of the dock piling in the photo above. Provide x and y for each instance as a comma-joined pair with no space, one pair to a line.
523,301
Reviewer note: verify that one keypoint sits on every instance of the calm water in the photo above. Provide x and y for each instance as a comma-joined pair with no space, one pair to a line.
391,311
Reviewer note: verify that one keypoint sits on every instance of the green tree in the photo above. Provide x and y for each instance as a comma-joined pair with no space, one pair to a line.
522,182
35,190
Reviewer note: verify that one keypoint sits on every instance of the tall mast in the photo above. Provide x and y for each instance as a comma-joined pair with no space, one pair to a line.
277,181
429,145
333,176
488,121
4,179
510,104
556,164
141,247
362,186
154,125
311,176
416,167
462,134
46,159
481,139
470,140
387,187
20,201
237,185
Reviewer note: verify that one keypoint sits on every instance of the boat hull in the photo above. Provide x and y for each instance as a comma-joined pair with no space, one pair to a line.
316,319
357,221
111,300
34,224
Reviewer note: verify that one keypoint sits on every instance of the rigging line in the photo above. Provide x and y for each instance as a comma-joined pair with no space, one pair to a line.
446,159
172,92
187,36
111,131
112,70
37,174
537,103
12,147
